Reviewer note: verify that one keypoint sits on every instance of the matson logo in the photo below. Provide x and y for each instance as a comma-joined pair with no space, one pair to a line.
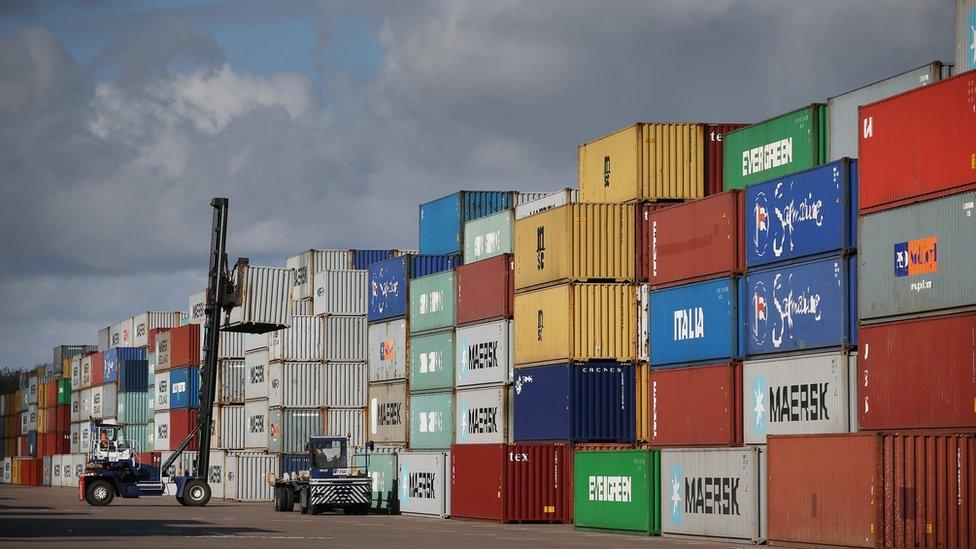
917,257
616,489
766,157
689,324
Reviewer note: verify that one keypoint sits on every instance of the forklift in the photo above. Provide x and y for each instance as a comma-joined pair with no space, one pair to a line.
328,484
113,468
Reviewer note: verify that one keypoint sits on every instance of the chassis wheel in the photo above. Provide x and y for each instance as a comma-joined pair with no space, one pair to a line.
99,493
289,500
303,501
196,493
280,499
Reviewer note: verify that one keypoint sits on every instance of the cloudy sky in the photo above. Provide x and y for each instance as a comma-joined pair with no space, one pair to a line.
326,123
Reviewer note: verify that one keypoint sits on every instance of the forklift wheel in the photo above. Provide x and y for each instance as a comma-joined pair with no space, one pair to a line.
289,500
99,493
181,500
279,499
196,493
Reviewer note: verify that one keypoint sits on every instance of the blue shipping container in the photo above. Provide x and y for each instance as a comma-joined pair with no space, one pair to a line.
442,220
31,444
807,214
293,463
362,259
697,323
425,265
388,289
133,376
117,354
184,388
799,306
585,402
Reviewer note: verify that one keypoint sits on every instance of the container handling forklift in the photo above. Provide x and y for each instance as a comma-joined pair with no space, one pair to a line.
328,484
112,468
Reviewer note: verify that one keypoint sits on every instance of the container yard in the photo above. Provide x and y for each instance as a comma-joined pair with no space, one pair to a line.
727,332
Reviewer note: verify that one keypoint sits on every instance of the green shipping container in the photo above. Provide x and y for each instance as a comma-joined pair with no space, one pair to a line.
618,490
431,421
433,301
64,391
382,468
134,408
138,437
432,361
790,143
489,236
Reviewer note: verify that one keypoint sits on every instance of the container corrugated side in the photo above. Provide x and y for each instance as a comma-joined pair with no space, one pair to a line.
246,476
344,384
344,338
697,323
431,420
388,417
432,361
295,384
266,295
301,341
424,483
149,320
331,260
489,236
484,353
231,374
442,220
257,424
715,155
388,348
546,202
233,427
482,416
346,422
433,302
696,406
290,428
340,292
255,375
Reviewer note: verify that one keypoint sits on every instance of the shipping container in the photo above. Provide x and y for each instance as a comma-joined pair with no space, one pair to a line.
576,242
715,492
842,121
431,420
918,374
104,401
697,323
433,302
302,267
786,144
340,292
133,408
799,394
104,338
178,347
486,290
162,438
645,161
484,354
231,375
489,236
546,202
144,322
388,419
125,333
300,342
161,390
62,352
184,388
918,259
76,406
965,35
871,490
293,464
302,307
344,338
245,476
799,307
805,214
382,469
483,415
576,322
344,384
97,373
512,483
387,358
432,361
133,375
575,402
256,424
424,483
388,289
295,384
265,293
233,427
346,422
289,429
86,370
618,490
256,375
715,155
694,241
442,221
362,259
918,145
75,374
696,406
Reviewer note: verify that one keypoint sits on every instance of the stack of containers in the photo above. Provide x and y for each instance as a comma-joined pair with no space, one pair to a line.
917,342
177,387
294,385
126,380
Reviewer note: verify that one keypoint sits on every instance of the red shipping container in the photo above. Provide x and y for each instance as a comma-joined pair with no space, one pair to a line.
696,406
97,369
486,290
512,482
151,338
692,241
714,151
871,490
181,422
31,472
918,145
150,458
918,374
184,345
22,445
63,422
51,419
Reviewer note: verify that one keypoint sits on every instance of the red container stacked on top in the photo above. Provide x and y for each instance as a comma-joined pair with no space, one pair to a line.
486,290
715,419
714,151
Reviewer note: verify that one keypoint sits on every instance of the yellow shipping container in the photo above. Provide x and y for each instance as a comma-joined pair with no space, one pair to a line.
15,471
645,421
66,368
646,161
576,242
41,420
575,322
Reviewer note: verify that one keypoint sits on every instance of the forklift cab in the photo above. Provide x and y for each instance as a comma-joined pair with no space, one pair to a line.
108,444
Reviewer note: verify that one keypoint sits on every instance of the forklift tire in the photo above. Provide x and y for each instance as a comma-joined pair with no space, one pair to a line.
281,499
180,500
196,493
289,500
99,493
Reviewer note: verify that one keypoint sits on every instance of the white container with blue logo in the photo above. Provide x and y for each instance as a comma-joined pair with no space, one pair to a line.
714,492
482,415
484,354
424,486
799,394
697,323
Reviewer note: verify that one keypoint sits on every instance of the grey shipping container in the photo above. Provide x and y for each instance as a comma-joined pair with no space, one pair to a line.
425,488
918,259
300,342
484,354
290,429
965,35
798,394
346,422
245,476
256,424
344,385
387,357
715,492
545,202
104,338
344,338
232,374
483,416
388,415
340,293
843,125
295,384
266,299
233,427
256,374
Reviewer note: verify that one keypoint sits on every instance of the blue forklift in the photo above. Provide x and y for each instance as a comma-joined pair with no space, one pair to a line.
113,468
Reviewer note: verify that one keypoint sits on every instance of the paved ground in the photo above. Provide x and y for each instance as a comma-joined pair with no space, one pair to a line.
53,517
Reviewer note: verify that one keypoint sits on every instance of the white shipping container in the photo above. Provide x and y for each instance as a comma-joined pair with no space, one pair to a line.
331,260
256,374
388,415
76,406
548,202
142,323
161,396
302,268
802,394
76,372
233,427
347,422
484,354
344,338
85,399
387,358
643,322
126,333
84,437
74,443
295,384
69,470
482,416
231,374
344,385
425,488
55,472
290,429
78,460
256,425
104,401
255,342
195,309
104,338
340,292
115,335
31,395
302,307
245,475
161,438
299,342
714,492
266,298
7,472
86,372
